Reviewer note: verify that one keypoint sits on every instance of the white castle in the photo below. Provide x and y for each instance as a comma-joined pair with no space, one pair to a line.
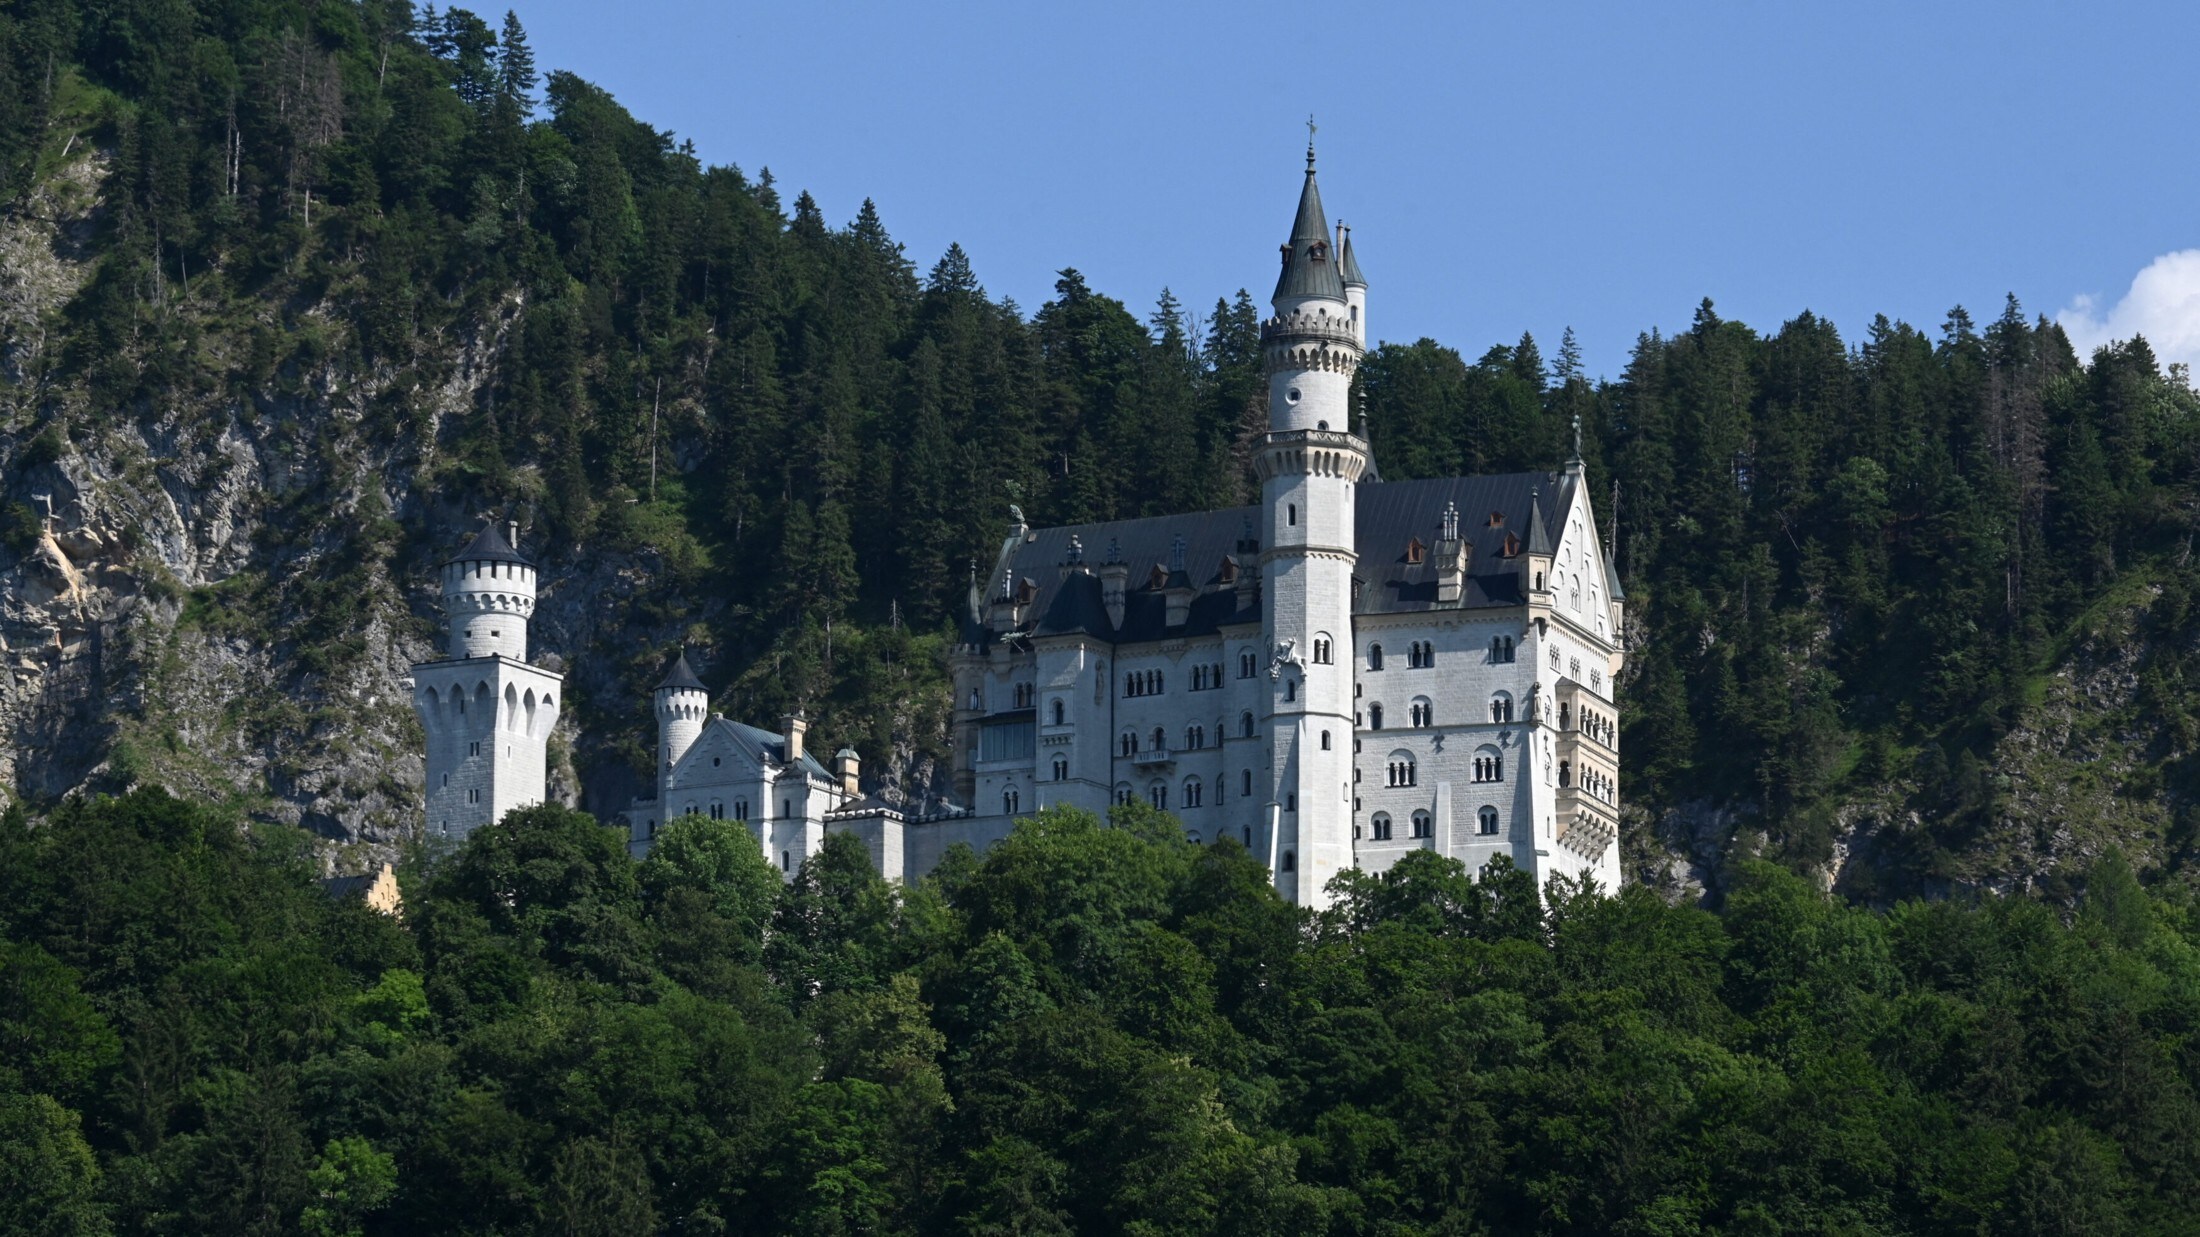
1345,672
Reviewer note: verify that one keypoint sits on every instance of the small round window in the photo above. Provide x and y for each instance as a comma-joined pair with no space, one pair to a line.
1291,396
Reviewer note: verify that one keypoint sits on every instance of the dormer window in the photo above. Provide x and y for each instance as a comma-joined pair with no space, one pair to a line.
1512,545
1497,519
1318,251
1415,551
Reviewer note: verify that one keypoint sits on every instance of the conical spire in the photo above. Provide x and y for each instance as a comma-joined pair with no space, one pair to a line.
489,546
1347,265
1539,533
679,676
1309,268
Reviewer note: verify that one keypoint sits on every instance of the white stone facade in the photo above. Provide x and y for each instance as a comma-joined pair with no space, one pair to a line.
1347,671
487,712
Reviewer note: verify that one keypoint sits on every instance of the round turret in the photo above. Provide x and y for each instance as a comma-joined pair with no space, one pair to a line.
683,705
1313,343
488,596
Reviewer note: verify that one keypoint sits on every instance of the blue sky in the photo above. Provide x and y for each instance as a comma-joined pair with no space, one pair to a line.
1504,168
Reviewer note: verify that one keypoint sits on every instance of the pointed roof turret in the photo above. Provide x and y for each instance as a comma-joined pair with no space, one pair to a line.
1611,578
679,676
1309,268
1347,265
489,546
1539,532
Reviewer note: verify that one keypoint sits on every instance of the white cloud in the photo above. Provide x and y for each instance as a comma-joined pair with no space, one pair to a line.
2163,305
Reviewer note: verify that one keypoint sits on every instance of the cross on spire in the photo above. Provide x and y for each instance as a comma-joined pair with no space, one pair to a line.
1310,127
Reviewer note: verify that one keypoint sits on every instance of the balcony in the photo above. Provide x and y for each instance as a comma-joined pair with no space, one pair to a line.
1152,758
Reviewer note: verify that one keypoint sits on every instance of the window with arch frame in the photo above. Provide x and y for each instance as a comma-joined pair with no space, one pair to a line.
1248,665
1424,825
1374,656
1245,726
1486,821
1011,802
1158,795
1378,827
1061,768
1193,789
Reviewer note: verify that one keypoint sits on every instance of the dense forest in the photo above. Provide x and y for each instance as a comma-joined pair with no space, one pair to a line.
292,295
1090,1029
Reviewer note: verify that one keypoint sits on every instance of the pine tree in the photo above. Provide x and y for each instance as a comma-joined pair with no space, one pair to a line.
515,69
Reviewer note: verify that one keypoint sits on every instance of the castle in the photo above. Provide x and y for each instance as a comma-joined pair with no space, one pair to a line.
1347,671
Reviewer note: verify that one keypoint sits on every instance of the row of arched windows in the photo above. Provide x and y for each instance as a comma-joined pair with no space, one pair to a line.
717,809
1402,771
1424,826
1420,655
1207,677
1489,768
1142,683
1026,695
1501,649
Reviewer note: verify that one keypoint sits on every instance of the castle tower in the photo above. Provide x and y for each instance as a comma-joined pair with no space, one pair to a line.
487,713
682,708
1309,465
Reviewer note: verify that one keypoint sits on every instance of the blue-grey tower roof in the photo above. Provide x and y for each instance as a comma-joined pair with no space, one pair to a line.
1539,530
489,546
1347,265
680,677
1309,268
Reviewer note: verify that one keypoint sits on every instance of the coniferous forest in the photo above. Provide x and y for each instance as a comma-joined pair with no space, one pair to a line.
1909,723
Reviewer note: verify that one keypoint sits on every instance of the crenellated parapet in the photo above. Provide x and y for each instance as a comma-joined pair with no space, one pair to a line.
1311,338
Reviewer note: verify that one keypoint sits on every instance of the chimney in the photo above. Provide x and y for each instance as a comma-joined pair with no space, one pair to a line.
511,533
1451,559
847,765
795,726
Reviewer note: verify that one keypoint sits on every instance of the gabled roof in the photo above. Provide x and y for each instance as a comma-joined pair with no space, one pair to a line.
1389,515
489,546
679,676
1309,269
759,745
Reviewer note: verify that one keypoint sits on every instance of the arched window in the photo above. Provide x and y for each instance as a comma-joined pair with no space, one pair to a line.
1290,690
1378,828
1009,800
1220,782
1375,716
1195,737
1321,650
1192,789
1245,785
740,809
1374,656
1325,740
1158,793
1486,821
1565,773
1401,769
1563,709
1248,837
1501,707
1160,739
1025,695
1245,725
1123,794
1424,825
1247,664
1489,765
1061,768
1290,861
1057,712
1424,712
1129,743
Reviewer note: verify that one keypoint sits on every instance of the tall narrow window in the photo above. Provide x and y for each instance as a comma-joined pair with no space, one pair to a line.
1374,656
1057,712
1245,726
1291,513
1245,785
1486,821
1424,825
1061,769
1009,801
1375,717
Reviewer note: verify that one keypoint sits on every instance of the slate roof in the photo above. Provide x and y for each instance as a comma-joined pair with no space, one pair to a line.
1390,515
1302,274
489,546
680,677
341,887
762,745
1348,265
